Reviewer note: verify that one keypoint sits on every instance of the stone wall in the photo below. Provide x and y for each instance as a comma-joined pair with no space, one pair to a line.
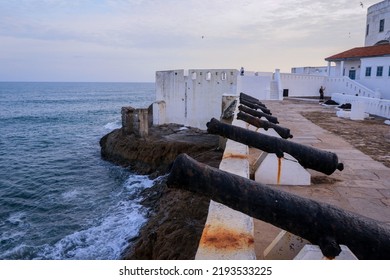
135,121
192,99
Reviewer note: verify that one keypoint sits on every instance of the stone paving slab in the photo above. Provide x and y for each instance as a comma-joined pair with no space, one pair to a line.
362,187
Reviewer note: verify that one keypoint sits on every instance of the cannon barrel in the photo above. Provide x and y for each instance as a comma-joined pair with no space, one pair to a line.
282,131
258,114
249,98
320,223
255,106
309,157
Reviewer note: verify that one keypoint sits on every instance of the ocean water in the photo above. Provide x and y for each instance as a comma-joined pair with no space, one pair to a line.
58,198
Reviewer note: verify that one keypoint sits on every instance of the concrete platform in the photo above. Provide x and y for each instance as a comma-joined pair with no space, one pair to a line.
362,187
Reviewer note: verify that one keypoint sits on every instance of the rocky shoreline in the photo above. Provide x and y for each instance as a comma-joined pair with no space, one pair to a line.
175,218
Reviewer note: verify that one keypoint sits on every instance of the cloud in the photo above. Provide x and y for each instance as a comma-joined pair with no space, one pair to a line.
159,24
181,34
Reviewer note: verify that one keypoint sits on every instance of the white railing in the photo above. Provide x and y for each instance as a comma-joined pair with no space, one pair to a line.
373,106
347,86
345,90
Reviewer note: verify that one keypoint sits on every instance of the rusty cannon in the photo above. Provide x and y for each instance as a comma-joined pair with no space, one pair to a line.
251,99
255,106
309,157
258,114
282,131
319,223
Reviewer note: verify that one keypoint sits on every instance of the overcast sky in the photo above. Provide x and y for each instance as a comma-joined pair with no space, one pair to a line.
128,40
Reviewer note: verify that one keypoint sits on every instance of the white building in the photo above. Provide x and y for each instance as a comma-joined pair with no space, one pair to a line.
378,24
369,66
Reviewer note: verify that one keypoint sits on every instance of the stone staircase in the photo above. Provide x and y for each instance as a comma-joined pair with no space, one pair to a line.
274,91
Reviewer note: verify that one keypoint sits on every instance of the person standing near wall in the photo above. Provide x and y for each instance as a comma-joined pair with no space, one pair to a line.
242,71
322,90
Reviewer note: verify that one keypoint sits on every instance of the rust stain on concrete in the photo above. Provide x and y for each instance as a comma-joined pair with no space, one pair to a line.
225,239
231,155
279,169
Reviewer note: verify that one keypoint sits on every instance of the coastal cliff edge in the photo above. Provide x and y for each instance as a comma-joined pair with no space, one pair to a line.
175,218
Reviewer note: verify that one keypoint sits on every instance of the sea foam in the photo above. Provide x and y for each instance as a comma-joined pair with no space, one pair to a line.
113,125
109,236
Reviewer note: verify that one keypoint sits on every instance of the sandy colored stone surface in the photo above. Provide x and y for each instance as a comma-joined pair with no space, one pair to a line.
370,136
362,146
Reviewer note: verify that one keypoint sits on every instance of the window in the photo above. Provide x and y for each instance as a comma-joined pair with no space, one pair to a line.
381,25
367,29
379,71
368,71
389,71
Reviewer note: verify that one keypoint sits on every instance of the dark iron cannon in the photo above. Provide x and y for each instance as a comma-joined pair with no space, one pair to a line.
251,99
255,106
319,223
258,114
309,157
282,131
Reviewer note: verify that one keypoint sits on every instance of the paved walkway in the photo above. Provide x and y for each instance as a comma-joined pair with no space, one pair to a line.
362,187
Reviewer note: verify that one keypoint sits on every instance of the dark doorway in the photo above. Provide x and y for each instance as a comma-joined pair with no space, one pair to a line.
352,74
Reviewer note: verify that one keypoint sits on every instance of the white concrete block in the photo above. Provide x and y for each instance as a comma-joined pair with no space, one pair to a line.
284,171
343,114
358,111
284,247
313,252
227,235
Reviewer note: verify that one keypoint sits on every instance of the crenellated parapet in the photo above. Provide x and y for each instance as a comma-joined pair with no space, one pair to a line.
192,97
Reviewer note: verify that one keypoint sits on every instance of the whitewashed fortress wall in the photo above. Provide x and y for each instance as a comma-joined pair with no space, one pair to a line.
192,99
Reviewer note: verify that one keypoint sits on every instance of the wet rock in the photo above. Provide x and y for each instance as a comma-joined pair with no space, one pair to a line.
156,152
175,217
176,222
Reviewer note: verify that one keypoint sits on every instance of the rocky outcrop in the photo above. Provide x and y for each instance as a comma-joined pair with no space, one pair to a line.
157,151
175,218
